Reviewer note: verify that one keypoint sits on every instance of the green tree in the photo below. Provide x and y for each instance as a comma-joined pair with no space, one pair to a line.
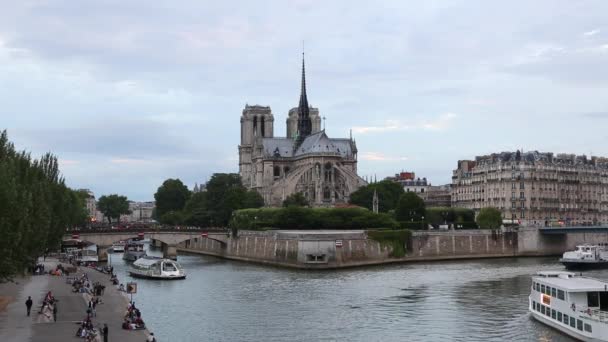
388,195
224,194
113,206
173,218
410,208
252,199
489,218
296,199
35,207
172,195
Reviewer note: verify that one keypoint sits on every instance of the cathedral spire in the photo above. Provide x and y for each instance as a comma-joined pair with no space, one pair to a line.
304,122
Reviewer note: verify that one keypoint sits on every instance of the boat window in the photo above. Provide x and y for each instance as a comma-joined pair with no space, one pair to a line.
561,295
542,309
572,322
553,314
588,327
538,287
547,312
566,319
579,324
593,299
542,288
534,305
168,267
553,292
559,316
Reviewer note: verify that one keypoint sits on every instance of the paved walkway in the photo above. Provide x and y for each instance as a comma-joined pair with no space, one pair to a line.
71,309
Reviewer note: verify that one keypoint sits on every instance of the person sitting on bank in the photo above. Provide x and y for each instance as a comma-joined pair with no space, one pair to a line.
121,288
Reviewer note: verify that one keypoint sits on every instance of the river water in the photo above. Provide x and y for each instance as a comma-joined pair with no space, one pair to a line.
221,300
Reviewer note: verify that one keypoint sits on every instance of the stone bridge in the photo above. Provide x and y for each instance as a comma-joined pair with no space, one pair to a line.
167,239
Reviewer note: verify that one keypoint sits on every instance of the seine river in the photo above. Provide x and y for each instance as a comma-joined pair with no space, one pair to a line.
480,300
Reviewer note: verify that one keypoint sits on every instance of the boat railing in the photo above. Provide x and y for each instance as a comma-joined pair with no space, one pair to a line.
598,315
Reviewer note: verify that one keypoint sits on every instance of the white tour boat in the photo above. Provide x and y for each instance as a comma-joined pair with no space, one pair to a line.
157,268
574,305
586,257
118,247
133,250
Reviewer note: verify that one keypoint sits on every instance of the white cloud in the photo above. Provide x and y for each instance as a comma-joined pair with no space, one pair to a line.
442,122
591,33
378,156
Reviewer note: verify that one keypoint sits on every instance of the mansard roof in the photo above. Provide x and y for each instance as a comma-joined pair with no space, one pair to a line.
316,143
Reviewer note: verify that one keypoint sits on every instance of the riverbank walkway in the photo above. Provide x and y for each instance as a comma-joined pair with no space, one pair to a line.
71,309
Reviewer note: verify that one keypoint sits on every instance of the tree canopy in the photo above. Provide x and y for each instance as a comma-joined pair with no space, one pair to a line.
172,195
296,199
213,207
410,208
489,218
388,195
36,207
112,206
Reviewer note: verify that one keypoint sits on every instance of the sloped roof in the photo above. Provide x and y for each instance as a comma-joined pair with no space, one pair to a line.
315,143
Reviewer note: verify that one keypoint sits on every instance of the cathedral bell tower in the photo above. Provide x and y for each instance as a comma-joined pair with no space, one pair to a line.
257,122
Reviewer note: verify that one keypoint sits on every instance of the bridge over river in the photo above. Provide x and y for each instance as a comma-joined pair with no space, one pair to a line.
167,238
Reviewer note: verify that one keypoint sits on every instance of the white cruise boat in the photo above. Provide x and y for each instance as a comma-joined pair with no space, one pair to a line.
133,250
157,268
118,247
574,305
586,257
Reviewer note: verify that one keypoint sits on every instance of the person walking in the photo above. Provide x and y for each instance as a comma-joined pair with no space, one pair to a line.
105,332
28,304
55,312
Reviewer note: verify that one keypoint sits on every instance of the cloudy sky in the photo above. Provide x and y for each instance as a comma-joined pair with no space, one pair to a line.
129,93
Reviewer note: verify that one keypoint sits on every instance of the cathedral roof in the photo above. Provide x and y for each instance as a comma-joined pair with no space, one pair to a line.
316,143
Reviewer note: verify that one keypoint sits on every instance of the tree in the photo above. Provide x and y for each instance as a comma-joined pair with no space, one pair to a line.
224,194
388,195
173,218
252,199
113,206
36,208
172,195
296,199
489,218
410,208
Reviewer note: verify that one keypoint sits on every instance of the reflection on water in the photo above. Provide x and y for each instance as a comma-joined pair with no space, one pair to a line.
483,300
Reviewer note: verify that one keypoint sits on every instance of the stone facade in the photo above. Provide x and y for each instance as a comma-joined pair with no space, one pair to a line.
323,169
535,188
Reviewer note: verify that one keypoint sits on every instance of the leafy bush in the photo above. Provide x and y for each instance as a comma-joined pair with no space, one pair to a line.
399,240
414,225
310,218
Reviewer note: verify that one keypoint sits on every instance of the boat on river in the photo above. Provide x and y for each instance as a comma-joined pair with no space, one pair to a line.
586,257
157,268
134,249
574,305
118,247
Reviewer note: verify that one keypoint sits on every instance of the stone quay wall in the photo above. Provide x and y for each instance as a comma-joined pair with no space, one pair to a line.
336,249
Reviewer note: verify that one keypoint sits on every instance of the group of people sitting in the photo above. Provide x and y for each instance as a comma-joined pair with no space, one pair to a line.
81,284
86,329
38,269
114,279
132,320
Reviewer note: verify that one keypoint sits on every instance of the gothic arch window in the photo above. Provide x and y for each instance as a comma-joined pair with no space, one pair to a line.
327,172
286,169
326,194
255,126
262,126
277,171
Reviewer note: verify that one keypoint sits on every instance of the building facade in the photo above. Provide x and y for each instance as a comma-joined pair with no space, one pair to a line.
410,183
437,196
535,188
323,169
90,203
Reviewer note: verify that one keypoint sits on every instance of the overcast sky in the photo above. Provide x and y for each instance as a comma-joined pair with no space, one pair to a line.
129,93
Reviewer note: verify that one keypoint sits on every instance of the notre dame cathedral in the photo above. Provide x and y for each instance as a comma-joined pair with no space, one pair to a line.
323,169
